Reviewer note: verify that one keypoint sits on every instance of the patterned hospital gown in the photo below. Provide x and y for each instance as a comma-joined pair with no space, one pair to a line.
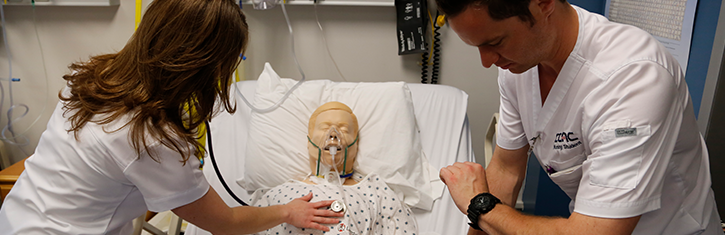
372,207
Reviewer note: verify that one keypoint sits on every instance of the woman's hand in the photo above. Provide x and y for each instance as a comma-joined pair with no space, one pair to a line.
305,214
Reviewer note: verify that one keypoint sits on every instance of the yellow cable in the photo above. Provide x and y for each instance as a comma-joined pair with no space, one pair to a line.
236,75
440,21
139,5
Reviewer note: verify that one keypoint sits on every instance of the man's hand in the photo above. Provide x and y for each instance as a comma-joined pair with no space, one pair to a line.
306,214
465,180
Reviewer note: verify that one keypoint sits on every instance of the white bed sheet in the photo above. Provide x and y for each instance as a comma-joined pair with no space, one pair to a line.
441,115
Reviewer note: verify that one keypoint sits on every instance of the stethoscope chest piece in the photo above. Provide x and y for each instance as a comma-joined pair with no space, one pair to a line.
338,206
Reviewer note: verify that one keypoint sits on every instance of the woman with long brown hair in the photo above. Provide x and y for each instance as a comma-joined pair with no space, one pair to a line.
123,138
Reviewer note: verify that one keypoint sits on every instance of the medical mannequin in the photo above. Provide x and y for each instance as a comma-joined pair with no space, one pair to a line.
605,109
123,138
326,117
369,205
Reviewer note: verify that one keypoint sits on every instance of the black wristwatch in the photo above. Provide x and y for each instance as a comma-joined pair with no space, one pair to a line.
480,205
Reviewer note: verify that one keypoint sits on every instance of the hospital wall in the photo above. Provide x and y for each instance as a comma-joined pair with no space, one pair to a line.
361,40
67,35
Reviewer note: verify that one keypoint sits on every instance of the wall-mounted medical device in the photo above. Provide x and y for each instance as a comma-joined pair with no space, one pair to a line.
412,16
64,2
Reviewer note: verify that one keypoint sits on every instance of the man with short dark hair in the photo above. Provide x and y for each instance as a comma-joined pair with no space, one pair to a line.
605,109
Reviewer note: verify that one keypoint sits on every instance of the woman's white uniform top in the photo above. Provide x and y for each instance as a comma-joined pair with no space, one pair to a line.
371,206
617,131
96,185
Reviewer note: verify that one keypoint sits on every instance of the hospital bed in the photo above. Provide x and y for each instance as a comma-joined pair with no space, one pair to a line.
440,112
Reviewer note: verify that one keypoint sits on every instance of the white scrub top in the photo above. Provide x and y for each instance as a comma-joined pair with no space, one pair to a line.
617,131
96,185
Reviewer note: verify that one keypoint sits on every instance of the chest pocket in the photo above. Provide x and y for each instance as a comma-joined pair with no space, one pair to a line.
570,175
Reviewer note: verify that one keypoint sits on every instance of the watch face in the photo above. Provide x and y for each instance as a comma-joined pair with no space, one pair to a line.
484,202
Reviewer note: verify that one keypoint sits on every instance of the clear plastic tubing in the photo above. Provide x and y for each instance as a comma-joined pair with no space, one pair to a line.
286,95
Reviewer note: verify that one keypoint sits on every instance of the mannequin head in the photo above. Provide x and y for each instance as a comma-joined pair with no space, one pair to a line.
333,124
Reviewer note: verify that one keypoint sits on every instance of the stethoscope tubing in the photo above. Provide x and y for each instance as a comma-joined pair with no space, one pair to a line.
216,168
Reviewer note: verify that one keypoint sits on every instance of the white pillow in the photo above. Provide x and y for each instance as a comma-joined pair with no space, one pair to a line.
389,142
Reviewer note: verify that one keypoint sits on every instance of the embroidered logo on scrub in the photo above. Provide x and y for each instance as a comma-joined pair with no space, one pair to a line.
624,132
566,140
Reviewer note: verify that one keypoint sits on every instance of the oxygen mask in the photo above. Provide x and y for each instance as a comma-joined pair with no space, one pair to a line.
333,141
332,153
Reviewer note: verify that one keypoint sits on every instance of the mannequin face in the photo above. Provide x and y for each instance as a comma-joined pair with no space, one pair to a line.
342,121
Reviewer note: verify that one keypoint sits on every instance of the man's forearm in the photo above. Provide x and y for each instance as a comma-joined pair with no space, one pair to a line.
472,231
504,185
506,173
507,220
